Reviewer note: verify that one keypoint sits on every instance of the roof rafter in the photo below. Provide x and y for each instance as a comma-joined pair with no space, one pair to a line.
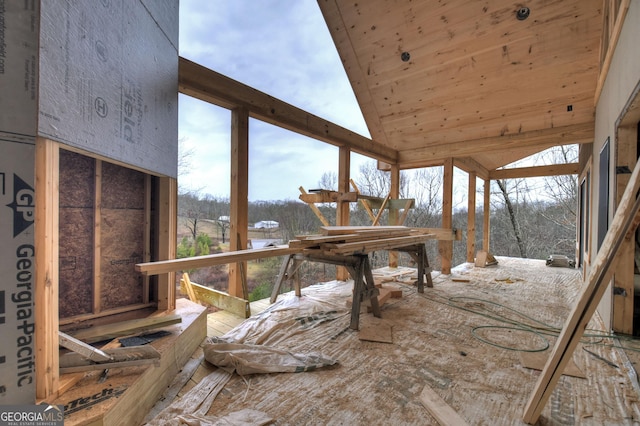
207,85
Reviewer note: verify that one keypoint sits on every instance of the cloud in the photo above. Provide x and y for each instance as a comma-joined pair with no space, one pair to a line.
284,49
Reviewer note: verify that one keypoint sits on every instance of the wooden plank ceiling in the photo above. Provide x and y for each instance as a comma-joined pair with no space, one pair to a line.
478,82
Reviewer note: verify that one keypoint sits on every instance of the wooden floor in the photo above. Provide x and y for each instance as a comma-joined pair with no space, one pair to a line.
457,340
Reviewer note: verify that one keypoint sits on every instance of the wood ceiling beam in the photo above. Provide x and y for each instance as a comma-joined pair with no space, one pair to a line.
207,85
544,138
536,171
470,165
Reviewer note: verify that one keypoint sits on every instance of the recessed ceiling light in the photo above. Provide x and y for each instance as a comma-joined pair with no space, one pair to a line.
523,13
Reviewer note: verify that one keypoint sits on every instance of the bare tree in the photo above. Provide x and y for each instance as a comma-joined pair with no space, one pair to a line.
512,216
193,210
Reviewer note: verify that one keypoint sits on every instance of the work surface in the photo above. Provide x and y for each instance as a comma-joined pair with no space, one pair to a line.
433,345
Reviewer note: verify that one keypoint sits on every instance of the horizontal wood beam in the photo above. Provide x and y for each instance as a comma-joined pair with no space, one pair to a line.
544,138
165,266
207,85
470,165
536,171
329,197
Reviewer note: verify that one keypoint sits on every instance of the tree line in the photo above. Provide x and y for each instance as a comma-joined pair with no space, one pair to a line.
529,218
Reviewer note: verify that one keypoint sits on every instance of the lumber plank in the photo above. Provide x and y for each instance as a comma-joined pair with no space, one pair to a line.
381,210
439,409
378,244
377,230
440,233
118,358
164,266
46,268
124,328
219,299
587,302
185,283
81,348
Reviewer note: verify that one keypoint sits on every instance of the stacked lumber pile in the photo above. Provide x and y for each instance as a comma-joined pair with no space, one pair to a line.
348,240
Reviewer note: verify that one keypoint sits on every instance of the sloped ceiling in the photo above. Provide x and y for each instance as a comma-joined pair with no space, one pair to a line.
459,78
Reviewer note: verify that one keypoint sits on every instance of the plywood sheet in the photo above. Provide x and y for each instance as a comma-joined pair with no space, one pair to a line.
122,248
77,195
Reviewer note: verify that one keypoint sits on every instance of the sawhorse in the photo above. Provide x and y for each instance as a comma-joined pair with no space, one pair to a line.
360,270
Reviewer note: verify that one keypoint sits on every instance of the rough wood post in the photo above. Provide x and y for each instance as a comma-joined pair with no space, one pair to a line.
238,216
471,218
393,211
486,216
445,248
46,278
342,213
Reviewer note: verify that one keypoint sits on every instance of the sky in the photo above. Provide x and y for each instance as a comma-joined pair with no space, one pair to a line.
282,48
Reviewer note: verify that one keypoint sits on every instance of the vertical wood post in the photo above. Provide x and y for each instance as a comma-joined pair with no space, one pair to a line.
342,213
47,192
486,216
445,248
471,218
626,142
167,239
239,220
393,211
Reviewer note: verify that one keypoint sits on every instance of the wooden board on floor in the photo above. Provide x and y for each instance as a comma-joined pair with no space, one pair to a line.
439,409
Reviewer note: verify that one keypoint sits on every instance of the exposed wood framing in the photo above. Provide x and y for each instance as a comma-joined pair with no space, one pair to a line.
146,255
315,209
613,37
239,220
46,271
97,233
394,219
546,138
167,236
623,298
209,86
106,313
470,165
471,218
486,216
587,302
445,248
342,210
536,171
439,409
